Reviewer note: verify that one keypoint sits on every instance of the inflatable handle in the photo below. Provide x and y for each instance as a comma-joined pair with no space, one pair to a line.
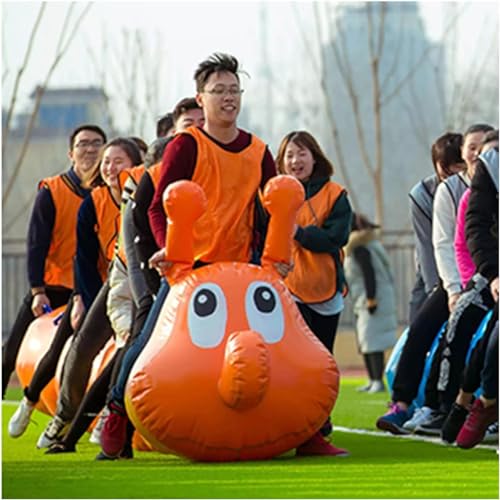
184,203
283,196
46,309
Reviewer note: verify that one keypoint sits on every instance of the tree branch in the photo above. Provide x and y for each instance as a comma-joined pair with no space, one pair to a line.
62,48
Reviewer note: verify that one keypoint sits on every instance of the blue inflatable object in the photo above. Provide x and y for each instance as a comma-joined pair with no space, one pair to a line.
392,364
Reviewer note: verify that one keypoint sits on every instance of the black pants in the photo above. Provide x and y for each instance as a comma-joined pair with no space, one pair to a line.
421,334
472,371
445,376
374,363
489,373
324,327
93,402
10,349
96,397
88,340
46,368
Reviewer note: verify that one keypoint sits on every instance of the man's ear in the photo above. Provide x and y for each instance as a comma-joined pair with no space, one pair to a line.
199,99
70,155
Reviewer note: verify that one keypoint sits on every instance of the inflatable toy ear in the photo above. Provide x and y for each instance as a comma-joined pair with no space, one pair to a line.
283,196
231,371
184,203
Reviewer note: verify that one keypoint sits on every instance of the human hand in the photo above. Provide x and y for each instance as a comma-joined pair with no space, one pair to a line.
77,311
157,261
40,304
283,268
494,289
452,300
371,305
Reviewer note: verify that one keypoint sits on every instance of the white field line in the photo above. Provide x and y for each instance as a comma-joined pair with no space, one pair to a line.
348,430
411,437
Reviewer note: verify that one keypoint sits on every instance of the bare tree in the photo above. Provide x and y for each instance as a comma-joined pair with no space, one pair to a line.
129,71
387,81
61,49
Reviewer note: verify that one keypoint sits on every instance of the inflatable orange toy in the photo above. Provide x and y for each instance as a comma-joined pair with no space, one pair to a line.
35,344
231,371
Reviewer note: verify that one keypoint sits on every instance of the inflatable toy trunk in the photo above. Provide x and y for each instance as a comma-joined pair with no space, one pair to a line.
231,371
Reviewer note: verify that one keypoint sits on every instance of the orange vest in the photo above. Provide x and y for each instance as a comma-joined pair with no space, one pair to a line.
154,172
135,173
59,262
107,226
314,275
230,181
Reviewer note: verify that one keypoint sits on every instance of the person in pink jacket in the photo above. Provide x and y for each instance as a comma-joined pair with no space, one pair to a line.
465,264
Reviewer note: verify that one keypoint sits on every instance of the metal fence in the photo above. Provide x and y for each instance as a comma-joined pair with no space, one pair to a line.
399,246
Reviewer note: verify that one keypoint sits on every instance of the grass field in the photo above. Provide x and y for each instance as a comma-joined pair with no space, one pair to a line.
378,467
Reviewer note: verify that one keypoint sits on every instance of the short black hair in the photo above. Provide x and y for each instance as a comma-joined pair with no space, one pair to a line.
164,124
477,127
93,128
184,105
214,64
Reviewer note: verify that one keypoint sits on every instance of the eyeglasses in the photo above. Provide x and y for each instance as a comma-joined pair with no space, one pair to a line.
221,91
97,143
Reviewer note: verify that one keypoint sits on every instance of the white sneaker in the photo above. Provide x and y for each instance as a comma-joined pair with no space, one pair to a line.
54,432
376,386
420,416
95,436
491,435
19,422
366,387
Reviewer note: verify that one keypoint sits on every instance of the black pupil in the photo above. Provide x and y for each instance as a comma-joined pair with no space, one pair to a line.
264,299
205,303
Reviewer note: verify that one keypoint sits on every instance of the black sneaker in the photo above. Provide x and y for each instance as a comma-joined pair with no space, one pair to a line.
453,423
59,448
326,428
433,425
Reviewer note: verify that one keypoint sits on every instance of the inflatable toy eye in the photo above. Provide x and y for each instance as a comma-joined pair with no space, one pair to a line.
264,311
207,315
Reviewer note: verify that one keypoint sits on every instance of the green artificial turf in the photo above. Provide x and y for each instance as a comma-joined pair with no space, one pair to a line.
378,467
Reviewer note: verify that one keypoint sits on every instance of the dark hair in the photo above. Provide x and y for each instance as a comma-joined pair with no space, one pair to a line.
478,127
93,128
361,221
155,151
93,178
214,64
490,136
322,165
184,105
446,151
164,124
140,144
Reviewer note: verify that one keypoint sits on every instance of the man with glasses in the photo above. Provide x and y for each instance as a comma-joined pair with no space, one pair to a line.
230,165
52,240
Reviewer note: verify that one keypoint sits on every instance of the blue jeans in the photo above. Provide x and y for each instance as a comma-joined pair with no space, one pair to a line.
137,345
